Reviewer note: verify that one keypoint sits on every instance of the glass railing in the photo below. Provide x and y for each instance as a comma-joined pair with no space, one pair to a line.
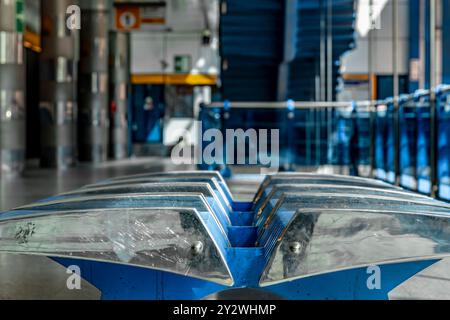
396,140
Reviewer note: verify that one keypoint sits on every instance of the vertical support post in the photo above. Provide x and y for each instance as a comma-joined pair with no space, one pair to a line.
322,52
225,116
58,98
445,76
370,53
289,47
422,46
330,61
119,80
94,84
309,117
318,116
290,115
433,84
322,61
396,122
370,91
12,88
373,130
414,45
330,50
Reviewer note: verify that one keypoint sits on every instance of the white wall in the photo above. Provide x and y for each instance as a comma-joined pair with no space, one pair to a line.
149,49
33,15
356,61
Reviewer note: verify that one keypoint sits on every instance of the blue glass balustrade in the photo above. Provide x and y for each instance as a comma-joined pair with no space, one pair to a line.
303,135
443,165
408,133
348,134
422,101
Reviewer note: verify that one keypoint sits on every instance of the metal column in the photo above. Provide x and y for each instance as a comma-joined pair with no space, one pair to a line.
330,58
58,74
433,115
93,129
119,75
289,50
396,120
422,46
12,87
322,47
329,72
323,70
370,95
370,47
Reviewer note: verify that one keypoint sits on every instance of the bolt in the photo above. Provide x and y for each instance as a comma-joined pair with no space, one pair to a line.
197,248
295,247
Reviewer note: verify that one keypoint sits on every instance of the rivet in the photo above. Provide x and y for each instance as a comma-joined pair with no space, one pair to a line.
197,248
295,247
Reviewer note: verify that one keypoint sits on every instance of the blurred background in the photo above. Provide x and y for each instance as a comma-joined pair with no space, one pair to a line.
91,89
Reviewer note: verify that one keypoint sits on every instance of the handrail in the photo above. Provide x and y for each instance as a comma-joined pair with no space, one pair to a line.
292,104
321,104
404,100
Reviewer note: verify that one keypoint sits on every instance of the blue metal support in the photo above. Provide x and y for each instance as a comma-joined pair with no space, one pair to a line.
408,134
290,119
118,282
225,116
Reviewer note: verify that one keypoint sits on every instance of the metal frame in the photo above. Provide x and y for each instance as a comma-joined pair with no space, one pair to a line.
292,104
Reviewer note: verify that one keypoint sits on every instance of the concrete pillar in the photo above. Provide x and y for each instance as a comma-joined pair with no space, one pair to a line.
93,129
12,87
119,84
58,75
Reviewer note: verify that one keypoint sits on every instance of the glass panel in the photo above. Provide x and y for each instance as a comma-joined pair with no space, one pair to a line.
221,189
214,200
174,174
195,201
270,181
325,240
277,191
174,240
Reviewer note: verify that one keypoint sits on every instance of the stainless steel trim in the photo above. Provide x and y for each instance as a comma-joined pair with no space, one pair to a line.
192,197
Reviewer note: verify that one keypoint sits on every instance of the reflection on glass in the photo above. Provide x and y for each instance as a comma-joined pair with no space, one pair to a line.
174,240
326,240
